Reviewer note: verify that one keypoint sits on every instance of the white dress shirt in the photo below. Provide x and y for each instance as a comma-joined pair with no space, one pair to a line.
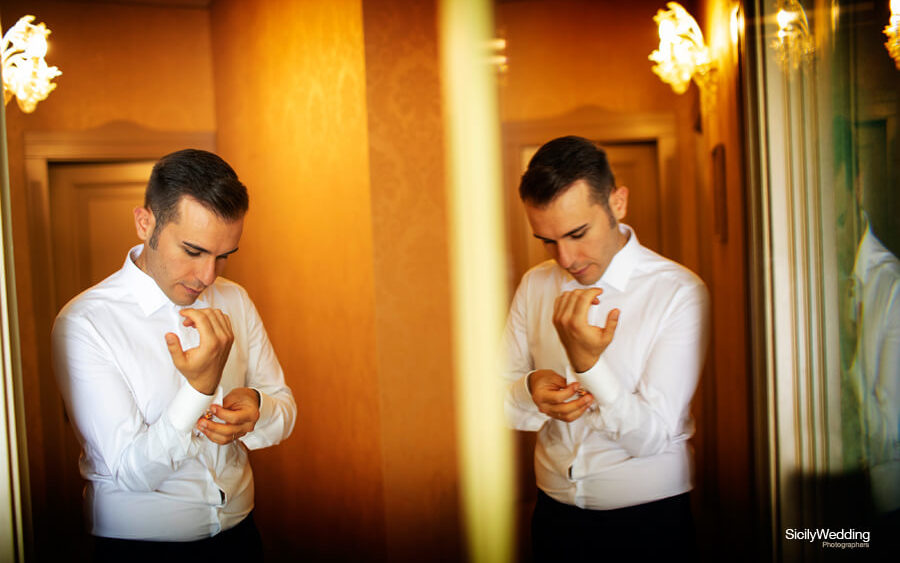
150,475
631,446
877,365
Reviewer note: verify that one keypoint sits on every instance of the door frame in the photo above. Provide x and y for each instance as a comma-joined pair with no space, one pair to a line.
115,142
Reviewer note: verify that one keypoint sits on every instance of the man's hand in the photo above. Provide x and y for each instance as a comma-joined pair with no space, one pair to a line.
202,366
550,393
583,342
239,411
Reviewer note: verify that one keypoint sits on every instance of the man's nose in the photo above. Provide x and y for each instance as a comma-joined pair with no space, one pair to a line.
207,272
564,254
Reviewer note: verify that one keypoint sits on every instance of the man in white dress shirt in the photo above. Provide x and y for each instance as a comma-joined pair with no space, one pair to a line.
605,344
169,378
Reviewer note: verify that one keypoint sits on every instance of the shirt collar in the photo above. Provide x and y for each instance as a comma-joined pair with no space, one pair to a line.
146,291
618,272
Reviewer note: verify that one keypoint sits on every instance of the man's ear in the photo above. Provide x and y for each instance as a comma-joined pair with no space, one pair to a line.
144,223
618,202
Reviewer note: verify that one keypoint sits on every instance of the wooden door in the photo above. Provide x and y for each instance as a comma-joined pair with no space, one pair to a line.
92,223
92,228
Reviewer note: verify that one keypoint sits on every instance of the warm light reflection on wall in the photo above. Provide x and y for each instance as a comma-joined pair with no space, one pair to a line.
478,276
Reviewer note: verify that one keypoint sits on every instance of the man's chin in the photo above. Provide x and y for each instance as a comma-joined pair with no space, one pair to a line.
585,277
185,299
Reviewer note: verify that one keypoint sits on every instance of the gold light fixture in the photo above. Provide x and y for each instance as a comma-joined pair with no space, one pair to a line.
892,30
682,54
794,45
25,73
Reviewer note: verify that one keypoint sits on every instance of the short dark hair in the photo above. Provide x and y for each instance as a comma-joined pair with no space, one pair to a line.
195,173
560,163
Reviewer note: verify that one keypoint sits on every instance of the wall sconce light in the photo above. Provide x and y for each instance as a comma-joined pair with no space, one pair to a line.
892,30
794,45
682,55
25,73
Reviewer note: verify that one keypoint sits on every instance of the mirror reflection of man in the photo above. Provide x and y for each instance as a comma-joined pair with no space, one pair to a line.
876,362
170,379
605,344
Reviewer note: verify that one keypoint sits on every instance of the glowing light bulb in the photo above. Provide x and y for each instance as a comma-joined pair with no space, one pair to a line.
25,73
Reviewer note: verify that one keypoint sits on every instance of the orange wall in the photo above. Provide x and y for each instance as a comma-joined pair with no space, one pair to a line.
412,281
291,111
96,46
345,254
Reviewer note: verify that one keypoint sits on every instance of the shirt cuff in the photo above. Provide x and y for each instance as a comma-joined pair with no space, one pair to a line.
187,406
600,381
520,394
266,407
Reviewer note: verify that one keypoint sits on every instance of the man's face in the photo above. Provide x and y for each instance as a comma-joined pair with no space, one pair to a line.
577,231
191,249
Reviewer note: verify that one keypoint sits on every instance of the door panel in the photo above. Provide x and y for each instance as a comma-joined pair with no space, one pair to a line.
92,222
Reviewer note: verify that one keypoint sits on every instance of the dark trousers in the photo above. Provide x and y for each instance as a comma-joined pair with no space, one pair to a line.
241,543
661,529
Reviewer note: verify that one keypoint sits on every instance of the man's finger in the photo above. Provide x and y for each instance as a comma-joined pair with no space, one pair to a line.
552,394
566,304
232,416
576,414
555,402
174,345
584,302
197,318
612,321
220,328
559,306
567,408
224,322
546,378
202,322
215,437
220,428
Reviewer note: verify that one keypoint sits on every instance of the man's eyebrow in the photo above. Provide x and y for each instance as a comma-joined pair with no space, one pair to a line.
196,248
570,233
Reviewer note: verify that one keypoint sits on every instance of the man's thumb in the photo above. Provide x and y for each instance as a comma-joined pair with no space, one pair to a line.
174,345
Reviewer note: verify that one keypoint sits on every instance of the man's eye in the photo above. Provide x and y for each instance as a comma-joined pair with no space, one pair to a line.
577,236
191,252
